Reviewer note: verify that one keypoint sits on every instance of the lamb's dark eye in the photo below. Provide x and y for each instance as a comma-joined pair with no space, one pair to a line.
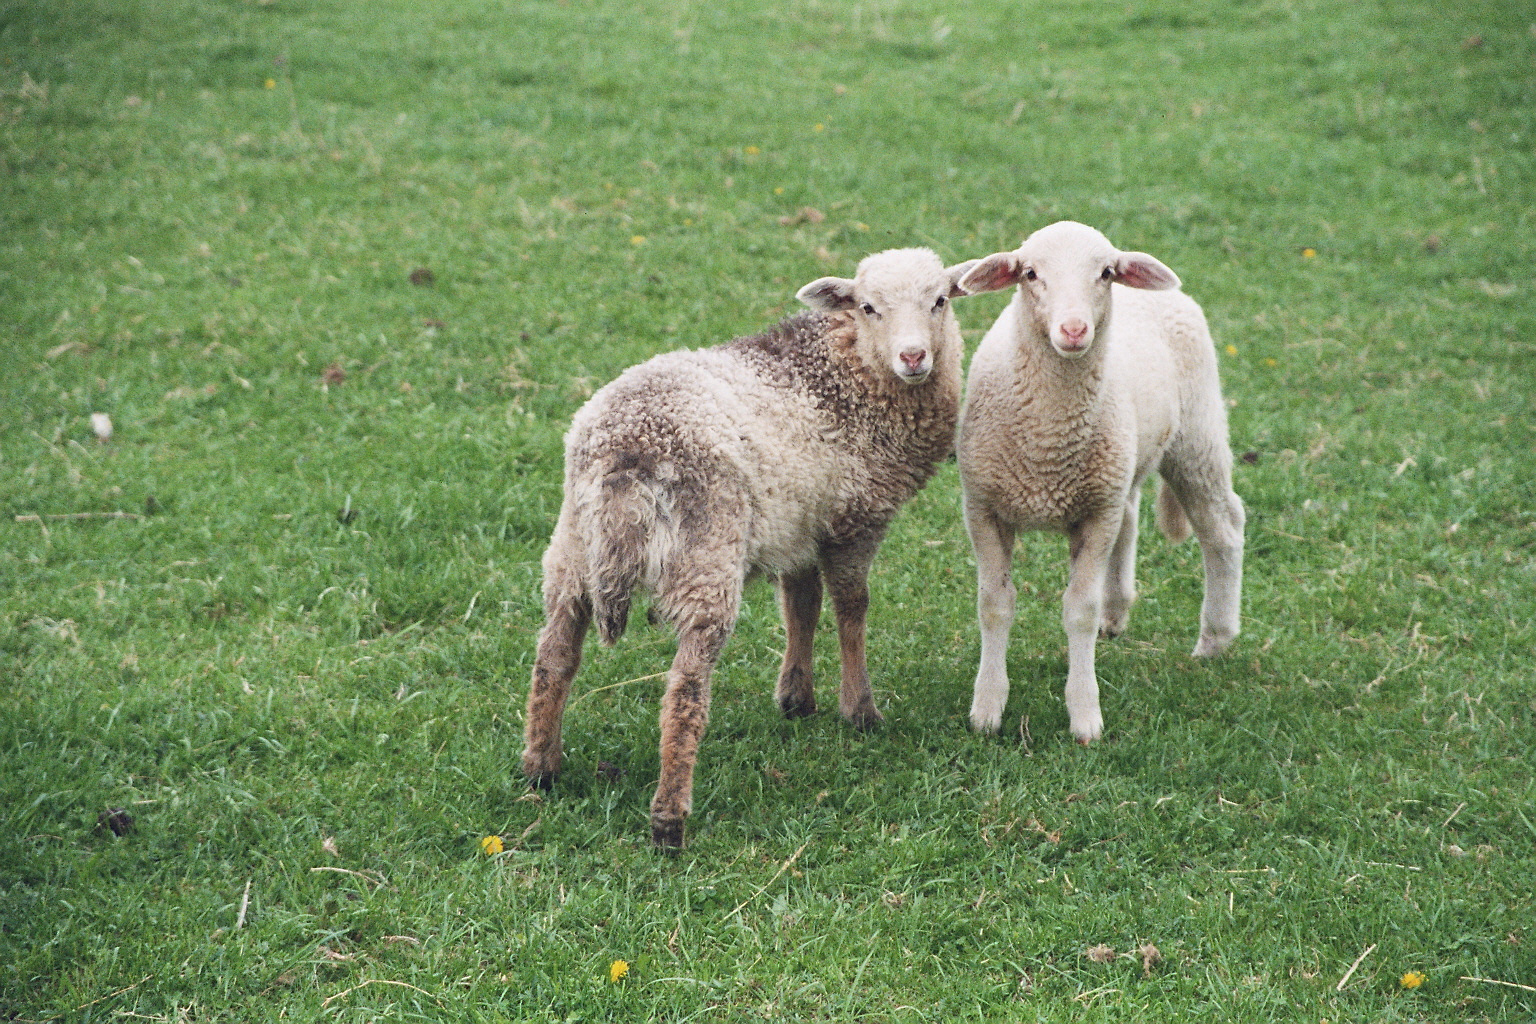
940,304
1030,275
1109,273
869,310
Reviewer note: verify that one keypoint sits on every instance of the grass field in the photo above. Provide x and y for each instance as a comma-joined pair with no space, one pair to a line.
340,273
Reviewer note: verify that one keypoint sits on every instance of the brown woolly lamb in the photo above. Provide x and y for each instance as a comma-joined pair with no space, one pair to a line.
1096,374
787,452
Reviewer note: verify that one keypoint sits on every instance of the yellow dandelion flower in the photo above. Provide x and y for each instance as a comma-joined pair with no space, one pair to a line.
752,151
637,240
1413,979
270,83
618,971
1309,253
778,190
1231,350
818,127
1271,362
492,845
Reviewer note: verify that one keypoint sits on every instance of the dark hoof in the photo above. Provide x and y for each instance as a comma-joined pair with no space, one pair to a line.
865,719
667,835
543,781
798,708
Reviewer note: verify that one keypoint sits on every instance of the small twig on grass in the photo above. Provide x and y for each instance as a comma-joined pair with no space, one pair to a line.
378,981
32,517
1025,738
610,686
245,903
1353,967
1459,808
782,868
1506,984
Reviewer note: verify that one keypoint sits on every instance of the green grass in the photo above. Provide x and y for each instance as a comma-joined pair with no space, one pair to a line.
301,666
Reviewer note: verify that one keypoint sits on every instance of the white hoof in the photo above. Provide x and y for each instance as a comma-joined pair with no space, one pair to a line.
986,722
1088,728
1211,645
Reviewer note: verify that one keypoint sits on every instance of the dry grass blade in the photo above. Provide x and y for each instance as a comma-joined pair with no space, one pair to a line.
611,686
32,517
1354,967
377,981
245,904
764,888
1495,981
371,877
102,999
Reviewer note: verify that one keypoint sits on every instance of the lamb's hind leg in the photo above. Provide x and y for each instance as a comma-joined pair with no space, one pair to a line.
1120,579
1201,478
684,714
567,617
1218,523
847,574
800,602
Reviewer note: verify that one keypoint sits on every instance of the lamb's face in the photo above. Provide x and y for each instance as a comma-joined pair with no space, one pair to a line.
900,301
1064,273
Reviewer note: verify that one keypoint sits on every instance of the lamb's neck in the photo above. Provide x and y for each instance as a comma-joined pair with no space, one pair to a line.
1059,399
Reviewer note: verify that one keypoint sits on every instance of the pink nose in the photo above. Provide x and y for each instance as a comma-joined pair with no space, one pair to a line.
1074,331
914,360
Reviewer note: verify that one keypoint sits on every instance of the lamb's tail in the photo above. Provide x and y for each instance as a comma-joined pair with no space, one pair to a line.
1171,519
618,525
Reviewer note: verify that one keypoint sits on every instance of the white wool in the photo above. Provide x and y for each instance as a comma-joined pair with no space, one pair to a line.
1097,374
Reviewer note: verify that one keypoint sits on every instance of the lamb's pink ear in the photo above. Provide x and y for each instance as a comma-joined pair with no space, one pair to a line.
1138,270
828,294
991,273
955,273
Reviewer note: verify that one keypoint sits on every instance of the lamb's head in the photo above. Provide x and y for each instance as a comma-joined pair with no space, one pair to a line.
1064,272
900,302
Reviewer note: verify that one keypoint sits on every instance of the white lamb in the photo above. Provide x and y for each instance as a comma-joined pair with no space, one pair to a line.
1096,374
788,452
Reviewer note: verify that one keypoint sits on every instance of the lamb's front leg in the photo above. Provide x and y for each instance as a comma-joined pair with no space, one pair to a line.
1090,544
800,603
992,543
846,571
